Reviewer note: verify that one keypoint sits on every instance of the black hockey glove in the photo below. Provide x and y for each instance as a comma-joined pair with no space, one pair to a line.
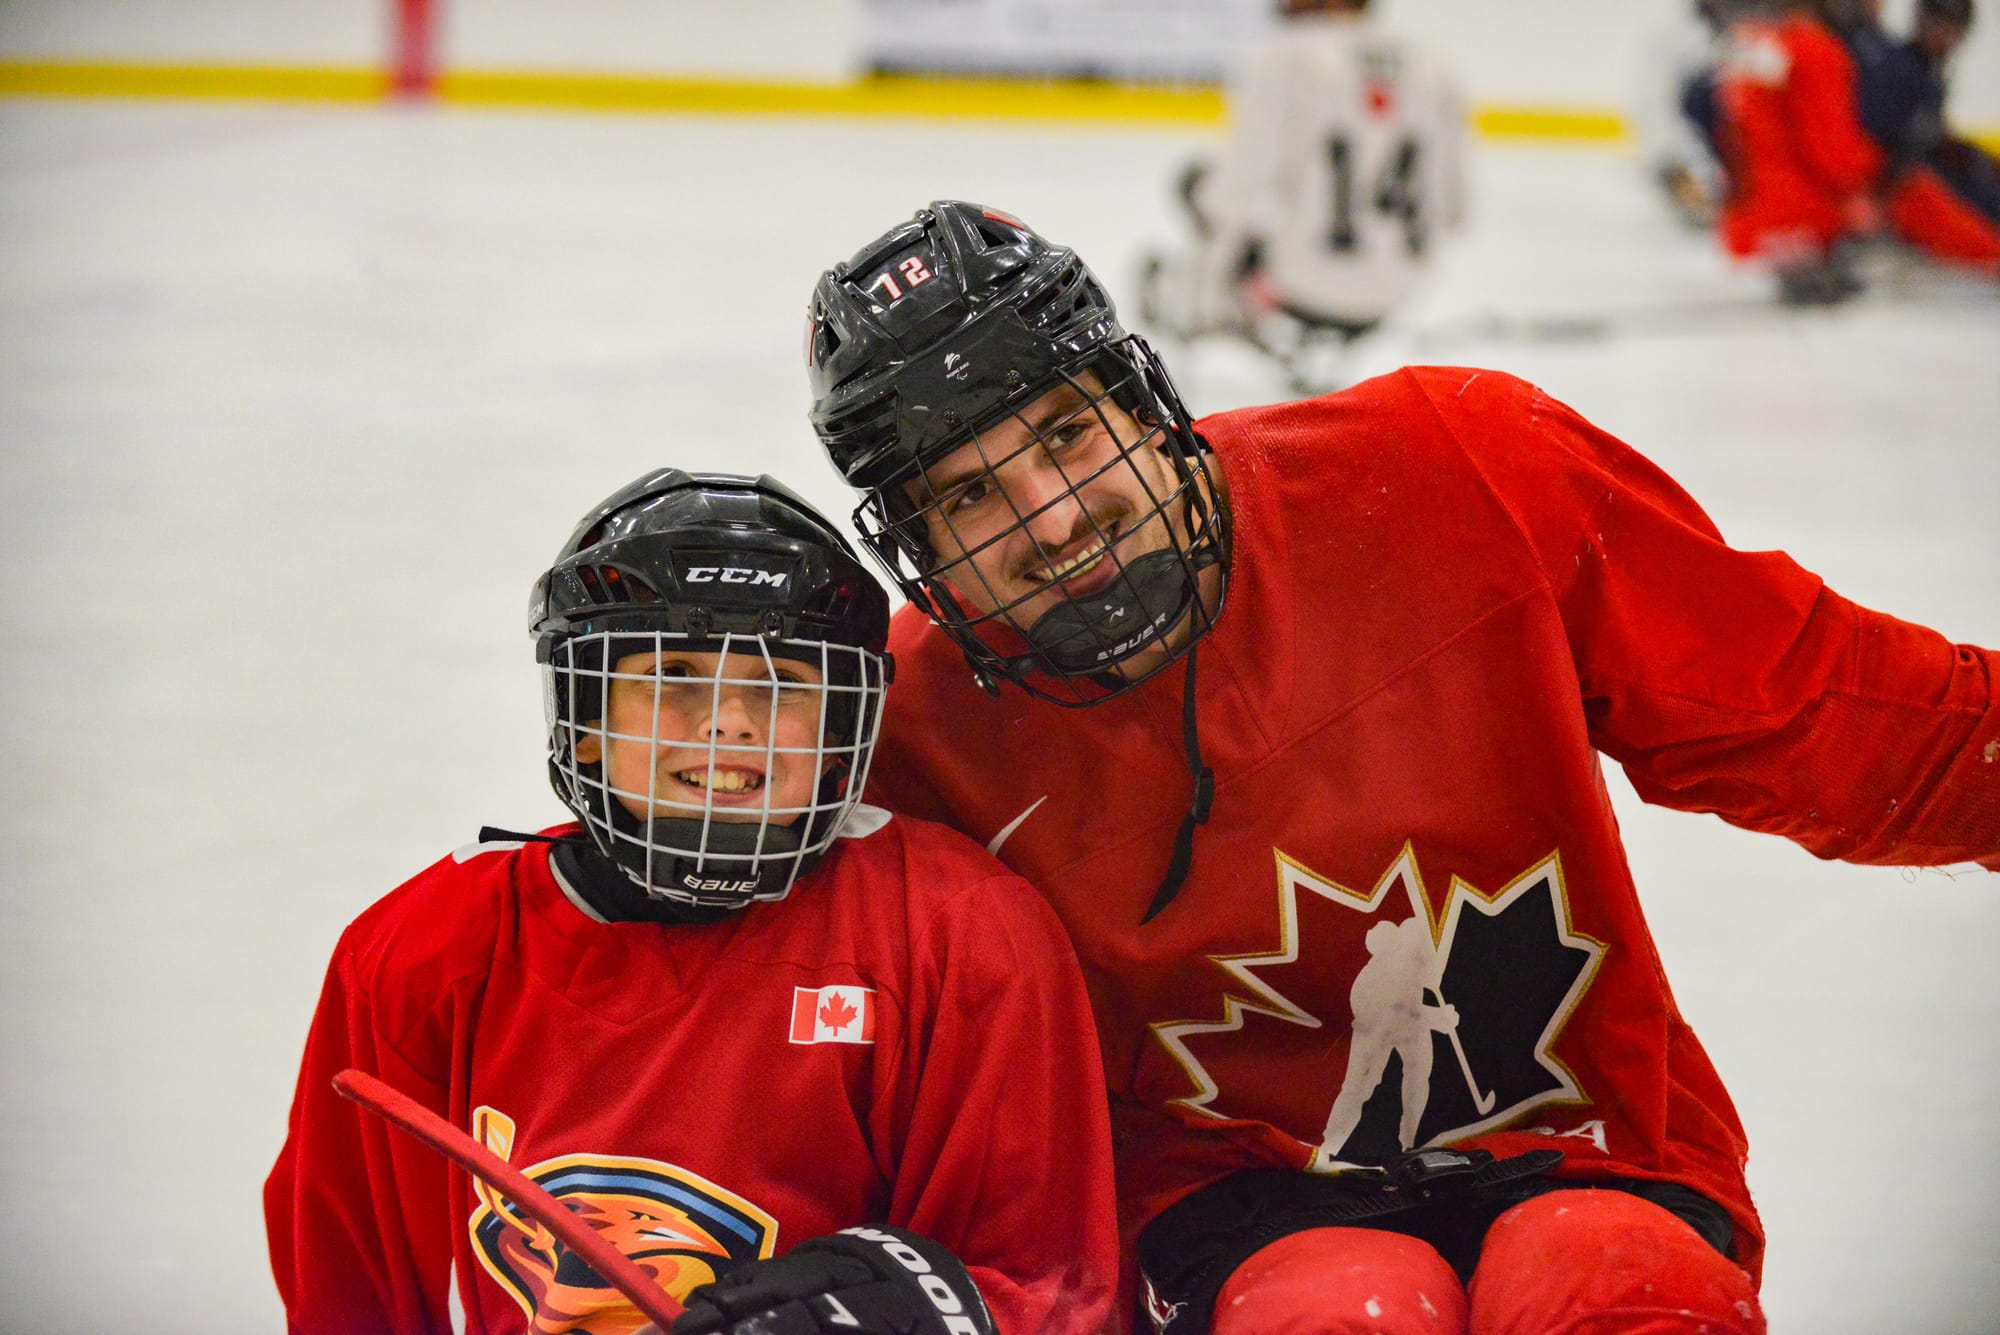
859,1281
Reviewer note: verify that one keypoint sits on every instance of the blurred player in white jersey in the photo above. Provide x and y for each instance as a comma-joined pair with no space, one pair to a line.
1343,168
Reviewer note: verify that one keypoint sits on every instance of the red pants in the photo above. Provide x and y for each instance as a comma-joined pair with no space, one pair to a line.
1567,1263
1923,211
1788,222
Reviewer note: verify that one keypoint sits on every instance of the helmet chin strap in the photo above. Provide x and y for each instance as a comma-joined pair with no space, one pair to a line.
1198,806
1154,594
1138,608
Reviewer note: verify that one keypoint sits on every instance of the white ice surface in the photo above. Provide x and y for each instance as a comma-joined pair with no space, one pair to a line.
294,404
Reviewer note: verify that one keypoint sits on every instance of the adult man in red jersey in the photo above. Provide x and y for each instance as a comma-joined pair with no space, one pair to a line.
1381,639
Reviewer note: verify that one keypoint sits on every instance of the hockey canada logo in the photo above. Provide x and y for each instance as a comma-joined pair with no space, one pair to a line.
681,1228
1448,1026
837,1014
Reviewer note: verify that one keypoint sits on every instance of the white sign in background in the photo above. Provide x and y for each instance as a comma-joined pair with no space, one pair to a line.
1175,40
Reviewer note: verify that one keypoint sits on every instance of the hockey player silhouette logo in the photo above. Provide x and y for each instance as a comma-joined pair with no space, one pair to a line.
1393,1018
678,1226
1431,1025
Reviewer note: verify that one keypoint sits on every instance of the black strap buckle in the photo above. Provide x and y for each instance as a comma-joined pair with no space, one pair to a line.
1427,1172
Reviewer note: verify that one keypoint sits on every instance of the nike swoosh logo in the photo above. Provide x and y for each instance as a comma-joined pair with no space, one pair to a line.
1013,825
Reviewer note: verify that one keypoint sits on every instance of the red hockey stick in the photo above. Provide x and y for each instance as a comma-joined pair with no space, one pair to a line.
405,1113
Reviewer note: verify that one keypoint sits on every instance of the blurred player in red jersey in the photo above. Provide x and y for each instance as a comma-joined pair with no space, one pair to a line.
729,1011
1804,175
1365,953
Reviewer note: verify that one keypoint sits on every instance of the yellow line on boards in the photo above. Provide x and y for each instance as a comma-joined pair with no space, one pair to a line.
878,95
263,82
1550,123
905,96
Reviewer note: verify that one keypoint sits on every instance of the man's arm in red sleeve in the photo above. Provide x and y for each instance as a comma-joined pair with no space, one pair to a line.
1735,682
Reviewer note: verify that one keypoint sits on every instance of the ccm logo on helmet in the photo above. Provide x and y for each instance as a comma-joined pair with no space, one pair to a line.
735,575
949,1305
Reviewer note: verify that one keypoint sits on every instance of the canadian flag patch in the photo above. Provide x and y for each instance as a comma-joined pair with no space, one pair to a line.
839,1014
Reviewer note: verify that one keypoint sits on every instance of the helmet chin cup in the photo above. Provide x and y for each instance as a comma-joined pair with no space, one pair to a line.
1141,605
738,863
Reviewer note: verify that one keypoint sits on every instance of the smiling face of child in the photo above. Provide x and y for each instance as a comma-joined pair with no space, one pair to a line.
733,736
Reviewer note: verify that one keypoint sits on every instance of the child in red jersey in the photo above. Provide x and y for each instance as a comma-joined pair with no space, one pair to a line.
731,1010
1296,715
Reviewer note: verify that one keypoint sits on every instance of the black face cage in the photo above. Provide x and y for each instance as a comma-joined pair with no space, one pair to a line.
1069,652
682,843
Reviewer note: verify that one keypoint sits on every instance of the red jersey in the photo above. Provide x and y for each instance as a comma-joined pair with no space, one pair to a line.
1409,918
905,1040
1798,156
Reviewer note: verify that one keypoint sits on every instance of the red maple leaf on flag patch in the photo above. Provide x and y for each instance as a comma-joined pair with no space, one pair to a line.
836,1014
840,1014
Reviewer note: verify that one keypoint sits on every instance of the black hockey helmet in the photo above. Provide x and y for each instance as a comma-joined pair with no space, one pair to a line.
682,564
1946,11
948,326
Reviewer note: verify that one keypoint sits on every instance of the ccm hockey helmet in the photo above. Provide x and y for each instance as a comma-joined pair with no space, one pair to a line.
951,327
713,668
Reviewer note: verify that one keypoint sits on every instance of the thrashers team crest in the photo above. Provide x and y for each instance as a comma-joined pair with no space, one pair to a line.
679,1226
1449,1021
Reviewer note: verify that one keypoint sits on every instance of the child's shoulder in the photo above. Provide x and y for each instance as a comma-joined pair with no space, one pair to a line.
445,920
923,849
936,870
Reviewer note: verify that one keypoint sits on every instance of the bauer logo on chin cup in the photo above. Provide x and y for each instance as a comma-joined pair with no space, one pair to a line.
717,885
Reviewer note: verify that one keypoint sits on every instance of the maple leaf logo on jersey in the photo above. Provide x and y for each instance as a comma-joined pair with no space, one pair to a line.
838,1014
1399,1027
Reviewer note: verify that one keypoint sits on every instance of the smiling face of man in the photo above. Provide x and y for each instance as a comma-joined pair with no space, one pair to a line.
1050,506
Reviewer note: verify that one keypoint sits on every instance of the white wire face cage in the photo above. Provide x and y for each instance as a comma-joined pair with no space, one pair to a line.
1061,649
723,766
